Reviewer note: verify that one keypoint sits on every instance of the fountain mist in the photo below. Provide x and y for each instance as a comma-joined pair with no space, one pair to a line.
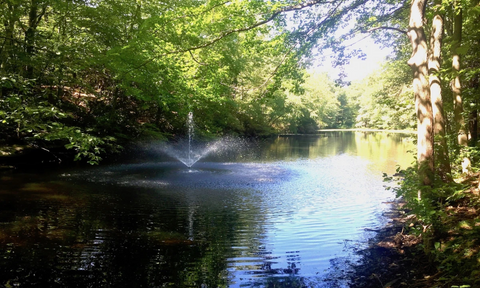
190,138
188,151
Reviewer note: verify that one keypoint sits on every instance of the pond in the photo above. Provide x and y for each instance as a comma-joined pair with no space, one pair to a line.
277,215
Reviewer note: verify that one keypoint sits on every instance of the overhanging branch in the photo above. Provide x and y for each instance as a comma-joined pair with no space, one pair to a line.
253,26
386,28
239,30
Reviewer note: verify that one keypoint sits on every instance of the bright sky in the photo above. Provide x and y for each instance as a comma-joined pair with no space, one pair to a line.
357,69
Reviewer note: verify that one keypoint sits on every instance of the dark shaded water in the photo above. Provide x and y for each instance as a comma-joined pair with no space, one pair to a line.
278,217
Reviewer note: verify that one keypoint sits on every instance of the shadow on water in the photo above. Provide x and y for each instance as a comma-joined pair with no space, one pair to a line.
276,219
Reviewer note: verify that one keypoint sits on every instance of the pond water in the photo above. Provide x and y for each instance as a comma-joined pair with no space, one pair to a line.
277,216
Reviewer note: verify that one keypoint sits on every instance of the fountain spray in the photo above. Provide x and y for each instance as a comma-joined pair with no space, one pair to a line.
190,137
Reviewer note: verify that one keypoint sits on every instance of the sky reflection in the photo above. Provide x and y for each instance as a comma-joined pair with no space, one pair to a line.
277,219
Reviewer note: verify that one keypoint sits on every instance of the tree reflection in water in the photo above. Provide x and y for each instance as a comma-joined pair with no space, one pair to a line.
270,223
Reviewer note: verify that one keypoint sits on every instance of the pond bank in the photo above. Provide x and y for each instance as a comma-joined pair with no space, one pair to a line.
28,157
369,130
393,257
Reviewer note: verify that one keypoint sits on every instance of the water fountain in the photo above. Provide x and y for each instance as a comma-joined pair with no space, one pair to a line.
188,151
190,137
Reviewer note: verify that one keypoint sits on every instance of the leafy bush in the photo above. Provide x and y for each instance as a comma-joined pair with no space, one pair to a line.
28,117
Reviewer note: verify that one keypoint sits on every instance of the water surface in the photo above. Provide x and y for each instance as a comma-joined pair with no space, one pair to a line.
274,216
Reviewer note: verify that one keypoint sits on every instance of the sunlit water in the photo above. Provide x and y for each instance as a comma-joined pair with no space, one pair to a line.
278,217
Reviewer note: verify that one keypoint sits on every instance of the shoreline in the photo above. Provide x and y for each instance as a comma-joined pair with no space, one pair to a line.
369,130
392,258
320,131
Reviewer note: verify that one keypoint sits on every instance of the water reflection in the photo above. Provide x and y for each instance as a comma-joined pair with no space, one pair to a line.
386,150
275,220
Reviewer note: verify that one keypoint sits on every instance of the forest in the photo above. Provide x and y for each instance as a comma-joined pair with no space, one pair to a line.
84,78
90,76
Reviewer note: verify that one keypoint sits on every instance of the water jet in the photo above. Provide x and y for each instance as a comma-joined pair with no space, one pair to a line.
189,151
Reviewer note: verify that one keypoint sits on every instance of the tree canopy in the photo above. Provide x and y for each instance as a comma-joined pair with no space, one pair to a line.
91,74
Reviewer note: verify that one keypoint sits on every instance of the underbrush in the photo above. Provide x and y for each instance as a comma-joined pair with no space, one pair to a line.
446,220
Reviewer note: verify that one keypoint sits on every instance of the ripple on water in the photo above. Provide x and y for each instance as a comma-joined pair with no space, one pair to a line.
252,224
291,217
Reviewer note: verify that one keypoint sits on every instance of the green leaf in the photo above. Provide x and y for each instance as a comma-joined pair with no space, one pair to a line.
463,49
69,146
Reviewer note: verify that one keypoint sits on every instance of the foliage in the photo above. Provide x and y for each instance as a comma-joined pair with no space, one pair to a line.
317,107
384,99
447,221
103,70
27,114
90,76
445,216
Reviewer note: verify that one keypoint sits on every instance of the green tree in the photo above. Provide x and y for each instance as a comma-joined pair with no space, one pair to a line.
439,130
383,100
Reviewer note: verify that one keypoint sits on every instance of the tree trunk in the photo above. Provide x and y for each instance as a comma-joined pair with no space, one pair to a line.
456,83
460,126
473,127
30,38
441,148
421,88
7,49
34,17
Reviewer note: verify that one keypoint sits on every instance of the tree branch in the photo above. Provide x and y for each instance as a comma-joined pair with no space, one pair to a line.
307,37
211,8
386,28
238,30
193,57
253,26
